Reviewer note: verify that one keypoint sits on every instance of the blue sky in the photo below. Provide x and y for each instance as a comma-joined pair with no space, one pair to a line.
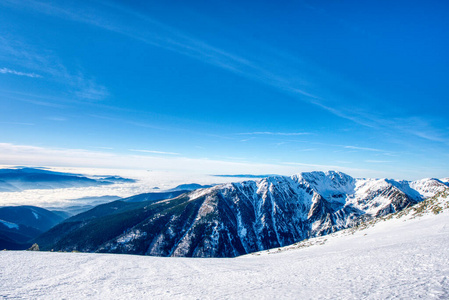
253,87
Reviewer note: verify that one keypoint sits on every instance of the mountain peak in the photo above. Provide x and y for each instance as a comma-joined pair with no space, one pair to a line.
328,184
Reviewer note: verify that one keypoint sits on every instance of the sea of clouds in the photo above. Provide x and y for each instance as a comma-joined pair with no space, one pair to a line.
146,181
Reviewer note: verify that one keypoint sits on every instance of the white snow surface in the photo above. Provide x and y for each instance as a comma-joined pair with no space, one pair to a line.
327,183
35,215
9,224
427,187
366,187
404,258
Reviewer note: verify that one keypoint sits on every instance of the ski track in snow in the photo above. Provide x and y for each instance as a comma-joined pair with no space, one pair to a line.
399,258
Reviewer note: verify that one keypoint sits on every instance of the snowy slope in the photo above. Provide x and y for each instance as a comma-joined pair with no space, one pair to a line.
403,257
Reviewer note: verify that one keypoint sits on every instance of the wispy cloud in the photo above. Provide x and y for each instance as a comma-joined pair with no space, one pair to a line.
344,162
411,126
275,133
104,148
378,161
87,89
142,124
57,119
18,123
11,154
43,61
364,148
303,80
153,151
246,140
154,33
422,128
35,99
9,71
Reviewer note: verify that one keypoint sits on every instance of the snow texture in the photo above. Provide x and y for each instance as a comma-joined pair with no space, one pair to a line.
35,215
398,257
9,224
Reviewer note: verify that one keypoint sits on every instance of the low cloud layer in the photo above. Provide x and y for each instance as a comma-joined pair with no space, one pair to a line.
14,72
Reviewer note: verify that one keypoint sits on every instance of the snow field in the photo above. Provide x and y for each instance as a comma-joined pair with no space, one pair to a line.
398,258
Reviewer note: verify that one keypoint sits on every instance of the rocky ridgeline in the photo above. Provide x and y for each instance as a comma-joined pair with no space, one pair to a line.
238,218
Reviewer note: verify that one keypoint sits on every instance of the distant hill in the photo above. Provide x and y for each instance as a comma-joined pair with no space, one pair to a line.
19,179
19,224
127,209
152,196
83,204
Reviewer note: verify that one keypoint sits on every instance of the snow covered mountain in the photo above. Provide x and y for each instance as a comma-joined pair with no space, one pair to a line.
233,219
401,256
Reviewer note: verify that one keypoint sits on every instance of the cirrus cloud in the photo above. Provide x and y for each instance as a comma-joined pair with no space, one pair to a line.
18,73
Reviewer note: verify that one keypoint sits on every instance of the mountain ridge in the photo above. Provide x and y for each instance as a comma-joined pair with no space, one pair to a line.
238,218
19,224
